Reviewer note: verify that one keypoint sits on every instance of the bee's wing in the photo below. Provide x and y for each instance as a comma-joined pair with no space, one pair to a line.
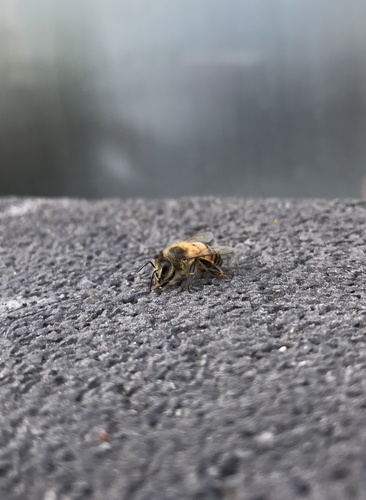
222,250
201,236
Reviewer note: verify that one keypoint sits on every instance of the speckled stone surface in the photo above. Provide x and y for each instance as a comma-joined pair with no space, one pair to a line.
249,389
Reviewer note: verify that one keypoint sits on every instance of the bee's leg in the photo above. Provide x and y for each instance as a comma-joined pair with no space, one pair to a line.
213,269
162,284
152,280
153,275
192,271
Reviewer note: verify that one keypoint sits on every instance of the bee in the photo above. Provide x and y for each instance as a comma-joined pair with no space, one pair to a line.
185,259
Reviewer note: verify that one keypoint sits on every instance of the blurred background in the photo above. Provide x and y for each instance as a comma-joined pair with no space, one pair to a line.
183,97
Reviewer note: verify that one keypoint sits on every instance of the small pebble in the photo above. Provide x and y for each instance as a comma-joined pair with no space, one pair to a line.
265,439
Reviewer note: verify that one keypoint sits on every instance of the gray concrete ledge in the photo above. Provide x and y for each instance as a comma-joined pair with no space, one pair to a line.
249,389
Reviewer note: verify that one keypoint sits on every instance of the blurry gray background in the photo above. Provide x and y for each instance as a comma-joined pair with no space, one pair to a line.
183,97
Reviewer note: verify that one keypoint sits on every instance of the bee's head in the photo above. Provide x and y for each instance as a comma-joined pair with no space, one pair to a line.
162,274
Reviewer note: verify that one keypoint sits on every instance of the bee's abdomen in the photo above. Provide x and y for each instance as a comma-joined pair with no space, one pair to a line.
217,259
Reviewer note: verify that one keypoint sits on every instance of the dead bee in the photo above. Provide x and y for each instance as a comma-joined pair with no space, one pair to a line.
184,259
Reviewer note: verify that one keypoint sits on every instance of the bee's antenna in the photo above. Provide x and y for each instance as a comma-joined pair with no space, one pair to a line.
146,264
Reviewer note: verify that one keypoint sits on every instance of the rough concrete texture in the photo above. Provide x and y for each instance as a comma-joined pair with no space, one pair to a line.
249,389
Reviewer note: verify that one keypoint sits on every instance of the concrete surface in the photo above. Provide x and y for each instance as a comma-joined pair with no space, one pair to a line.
249,389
